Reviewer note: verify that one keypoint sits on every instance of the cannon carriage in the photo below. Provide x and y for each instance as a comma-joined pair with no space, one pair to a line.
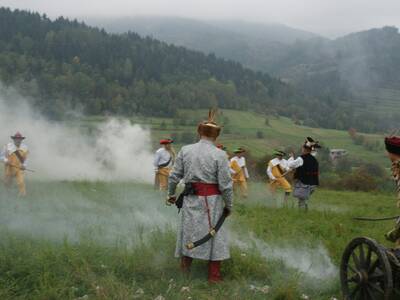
370,271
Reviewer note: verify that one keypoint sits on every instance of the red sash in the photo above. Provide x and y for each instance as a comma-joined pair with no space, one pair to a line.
206,189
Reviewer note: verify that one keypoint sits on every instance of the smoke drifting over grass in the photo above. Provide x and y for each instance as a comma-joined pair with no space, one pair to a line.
312,262
104,212
115,150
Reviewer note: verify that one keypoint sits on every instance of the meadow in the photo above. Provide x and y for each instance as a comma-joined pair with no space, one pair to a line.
104,240
256,132
115,239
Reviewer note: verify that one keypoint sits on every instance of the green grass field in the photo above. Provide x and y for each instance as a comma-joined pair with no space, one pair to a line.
381,101
115,240
97,240
240,129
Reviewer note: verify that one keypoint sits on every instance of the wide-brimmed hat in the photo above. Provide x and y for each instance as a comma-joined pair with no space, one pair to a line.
311,144
209,128
166,141
239,150
17,136
392,144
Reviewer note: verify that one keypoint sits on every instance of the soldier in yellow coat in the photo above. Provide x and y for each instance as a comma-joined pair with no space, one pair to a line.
240,174
164,159
15,156
234,167
277,168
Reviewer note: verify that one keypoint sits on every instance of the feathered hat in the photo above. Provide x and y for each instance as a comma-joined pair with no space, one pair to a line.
311,144
209,128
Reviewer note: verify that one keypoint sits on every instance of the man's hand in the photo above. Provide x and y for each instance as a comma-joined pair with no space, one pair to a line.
170,200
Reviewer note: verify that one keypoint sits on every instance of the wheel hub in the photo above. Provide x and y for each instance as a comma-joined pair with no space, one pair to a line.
361,277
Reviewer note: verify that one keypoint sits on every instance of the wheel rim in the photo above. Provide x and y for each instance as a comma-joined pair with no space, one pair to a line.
365,271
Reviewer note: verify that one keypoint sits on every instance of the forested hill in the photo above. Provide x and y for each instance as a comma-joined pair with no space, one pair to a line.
67,65
255,45
357,76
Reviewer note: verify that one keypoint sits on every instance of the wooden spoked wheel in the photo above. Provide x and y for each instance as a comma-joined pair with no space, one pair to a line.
365,271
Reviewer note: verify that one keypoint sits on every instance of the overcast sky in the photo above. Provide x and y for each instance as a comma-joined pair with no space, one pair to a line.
327,17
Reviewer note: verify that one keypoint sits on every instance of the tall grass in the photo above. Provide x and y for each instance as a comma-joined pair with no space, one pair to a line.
82,240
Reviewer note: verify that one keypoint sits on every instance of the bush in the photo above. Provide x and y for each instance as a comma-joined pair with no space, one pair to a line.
372,170
343,166
359,140
358,181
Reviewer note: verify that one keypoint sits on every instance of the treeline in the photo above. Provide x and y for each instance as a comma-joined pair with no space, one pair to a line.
65,65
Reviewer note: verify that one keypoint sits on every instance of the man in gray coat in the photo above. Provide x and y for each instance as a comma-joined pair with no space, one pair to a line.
206,169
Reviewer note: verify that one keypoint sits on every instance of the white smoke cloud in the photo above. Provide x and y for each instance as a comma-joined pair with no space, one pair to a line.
102,212
115,150
313,262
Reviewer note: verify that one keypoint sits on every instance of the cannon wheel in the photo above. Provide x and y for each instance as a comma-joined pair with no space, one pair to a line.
365,271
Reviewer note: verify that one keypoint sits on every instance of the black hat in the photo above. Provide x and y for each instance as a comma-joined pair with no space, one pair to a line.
311,144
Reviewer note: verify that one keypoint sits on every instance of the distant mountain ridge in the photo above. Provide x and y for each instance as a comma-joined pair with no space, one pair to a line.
360,59
252,44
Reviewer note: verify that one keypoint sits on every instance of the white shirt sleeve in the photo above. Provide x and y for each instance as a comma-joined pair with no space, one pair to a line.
294,163
25,164
284,165
241,161
5,153
269,172
246,172
26,150
156,161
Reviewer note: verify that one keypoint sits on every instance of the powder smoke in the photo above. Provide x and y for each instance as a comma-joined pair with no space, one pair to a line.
313,262
115,150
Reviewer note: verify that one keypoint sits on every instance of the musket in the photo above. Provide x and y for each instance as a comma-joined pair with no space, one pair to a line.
282,176
376,219
23,169
156,182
